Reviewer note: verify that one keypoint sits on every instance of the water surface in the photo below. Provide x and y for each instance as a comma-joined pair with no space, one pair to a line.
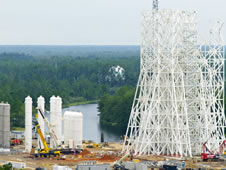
91,125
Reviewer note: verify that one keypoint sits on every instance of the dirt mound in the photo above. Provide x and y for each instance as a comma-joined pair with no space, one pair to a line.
85,152
107,158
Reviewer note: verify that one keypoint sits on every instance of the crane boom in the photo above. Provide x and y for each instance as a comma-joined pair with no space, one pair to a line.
46,152
222,146
46,149
57,143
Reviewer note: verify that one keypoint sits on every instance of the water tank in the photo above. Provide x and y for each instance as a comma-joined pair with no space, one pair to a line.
73,122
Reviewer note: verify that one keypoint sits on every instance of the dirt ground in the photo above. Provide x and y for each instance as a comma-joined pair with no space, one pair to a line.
108,154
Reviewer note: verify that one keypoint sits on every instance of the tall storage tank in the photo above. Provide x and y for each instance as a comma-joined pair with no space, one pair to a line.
73,131
53,118
28,124
4,125
6,129
58,113
1,126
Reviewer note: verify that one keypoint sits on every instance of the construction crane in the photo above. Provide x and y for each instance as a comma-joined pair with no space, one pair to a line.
46,152
212,155
207,154
118,165
155,5
223,147
53,136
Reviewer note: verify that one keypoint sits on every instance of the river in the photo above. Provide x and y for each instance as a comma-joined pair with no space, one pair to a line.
91,125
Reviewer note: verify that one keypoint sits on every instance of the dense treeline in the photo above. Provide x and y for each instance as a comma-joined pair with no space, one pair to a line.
115,109
73,78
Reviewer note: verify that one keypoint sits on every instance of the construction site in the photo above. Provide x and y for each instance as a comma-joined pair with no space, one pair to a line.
177,119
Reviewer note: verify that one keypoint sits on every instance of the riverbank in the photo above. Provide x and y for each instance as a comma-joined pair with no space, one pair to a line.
18,128
63,106
80,103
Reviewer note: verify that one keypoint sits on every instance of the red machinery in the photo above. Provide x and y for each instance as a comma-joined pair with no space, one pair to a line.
16,142
222,147
212,155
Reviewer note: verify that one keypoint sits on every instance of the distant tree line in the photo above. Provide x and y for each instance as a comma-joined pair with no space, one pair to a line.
75,79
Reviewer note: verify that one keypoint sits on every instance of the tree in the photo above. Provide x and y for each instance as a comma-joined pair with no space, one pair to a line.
115,110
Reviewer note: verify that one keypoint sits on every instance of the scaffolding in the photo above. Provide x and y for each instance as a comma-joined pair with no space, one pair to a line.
179,97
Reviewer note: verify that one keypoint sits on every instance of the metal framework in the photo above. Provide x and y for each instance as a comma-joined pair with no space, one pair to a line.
155,4
178,103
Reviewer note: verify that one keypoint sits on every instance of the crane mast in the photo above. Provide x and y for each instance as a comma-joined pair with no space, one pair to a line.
155,5
57,143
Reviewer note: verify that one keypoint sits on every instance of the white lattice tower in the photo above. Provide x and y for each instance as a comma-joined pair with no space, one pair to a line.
172,112
211,118
159,118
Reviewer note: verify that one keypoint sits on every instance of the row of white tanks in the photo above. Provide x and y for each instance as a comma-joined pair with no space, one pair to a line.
73,123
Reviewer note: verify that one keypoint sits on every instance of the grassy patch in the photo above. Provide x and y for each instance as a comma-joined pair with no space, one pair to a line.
79,103
18,128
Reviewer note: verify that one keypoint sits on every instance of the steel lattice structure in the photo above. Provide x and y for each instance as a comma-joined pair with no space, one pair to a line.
178,102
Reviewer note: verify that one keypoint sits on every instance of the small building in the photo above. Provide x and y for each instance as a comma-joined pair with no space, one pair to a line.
93,167
17,134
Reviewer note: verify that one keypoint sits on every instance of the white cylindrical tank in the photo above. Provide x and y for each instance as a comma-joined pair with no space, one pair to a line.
56,117
73,122
41,104
52,116
4,125
28,124
59,117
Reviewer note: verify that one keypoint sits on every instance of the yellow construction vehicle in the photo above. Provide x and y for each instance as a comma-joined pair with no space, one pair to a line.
46,152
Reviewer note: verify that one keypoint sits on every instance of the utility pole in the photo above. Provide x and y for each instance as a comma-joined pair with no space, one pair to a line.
155,5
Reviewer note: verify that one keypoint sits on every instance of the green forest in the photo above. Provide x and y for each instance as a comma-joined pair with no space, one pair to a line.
75,79
106,75
115,109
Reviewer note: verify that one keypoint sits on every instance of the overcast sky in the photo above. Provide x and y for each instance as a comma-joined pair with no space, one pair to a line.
90,22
